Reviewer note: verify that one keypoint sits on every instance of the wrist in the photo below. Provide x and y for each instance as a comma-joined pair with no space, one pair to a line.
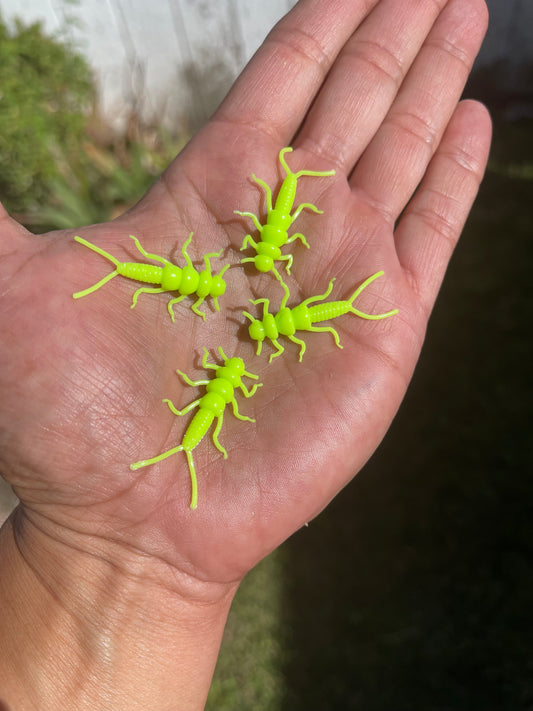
91,625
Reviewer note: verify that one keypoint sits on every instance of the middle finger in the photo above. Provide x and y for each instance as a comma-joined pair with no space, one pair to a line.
365,79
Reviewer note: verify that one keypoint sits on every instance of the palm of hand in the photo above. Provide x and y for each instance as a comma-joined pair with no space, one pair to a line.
85,389
83,381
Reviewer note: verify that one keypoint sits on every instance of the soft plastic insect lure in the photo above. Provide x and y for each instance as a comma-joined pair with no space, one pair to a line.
302,317
279,218
185,280
220,392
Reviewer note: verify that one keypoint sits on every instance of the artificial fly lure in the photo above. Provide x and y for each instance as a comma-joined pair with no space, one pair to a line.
220,392
302,317
185,280
279,218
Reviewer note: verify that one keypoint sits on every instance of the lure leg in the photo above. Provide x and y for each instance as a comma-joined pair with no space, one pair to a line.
299,236
259,343
222,355
146,254
185,410
301,207
252,391
372,317
286,258
102,253
79,294
361,314
237,414
209,256
192,383
196,310
96,249
212,366
145,290
317,173
279,349
194,481
154,460
215,437
322,329
264,301
268,192
184,249
302,345
248,241
171,304
311,299
278,275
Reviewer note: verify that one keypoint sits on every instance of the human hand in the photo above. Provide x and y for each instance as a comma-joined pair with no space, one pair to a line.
368,88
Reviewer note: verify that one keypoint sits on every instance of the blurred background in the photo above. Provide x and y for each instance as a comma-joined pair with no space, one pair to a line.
413,589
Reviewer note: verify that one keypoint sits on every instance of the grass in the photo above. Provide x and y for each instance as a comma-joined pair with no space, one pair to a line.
413,589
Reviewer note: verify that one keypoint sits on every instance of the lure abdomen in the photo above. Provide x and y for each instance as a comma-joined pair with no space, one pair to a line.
286,195
147,273
328,310
197,429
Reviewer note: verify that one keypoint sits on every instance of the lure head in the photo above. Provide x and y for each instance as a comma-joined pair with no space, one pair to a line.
235,365
263,263
218,286
256,330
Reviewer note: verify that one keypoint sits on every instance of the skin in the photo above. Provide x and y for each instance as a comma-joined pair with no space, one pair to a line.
135,585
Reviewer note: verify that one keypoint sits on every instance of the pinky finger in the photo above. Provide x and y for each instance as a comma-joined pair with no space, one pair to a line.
431,224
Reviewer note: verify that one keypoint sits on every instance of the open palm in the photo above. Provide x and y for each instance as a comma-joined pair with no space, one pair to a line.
370,92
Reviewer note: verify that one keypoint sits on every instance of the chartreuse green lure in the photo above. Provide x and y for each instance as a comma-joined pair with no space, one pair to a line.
279,218
220,392
185,280
302,317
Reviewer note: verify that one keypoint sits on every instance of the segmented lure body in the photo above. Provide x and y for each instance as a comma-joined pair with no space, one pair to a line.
303,317
274,234
220,392
186,280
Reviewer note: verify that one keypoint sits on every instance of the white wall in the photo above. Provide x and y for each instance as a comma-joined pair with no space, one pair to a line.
173,59
169,58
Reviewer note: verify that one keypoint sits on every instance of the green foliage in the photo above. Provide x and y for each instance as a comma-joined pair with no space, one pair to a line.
45,90
60,166
103,181
249,673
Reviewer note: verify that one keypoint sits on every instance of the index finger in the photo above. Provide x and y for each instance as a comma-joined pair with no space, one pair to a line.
276,89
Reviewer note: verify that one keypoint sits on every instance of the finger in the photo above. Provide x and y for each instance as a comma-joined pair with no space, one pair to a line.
431,224
274,92
396,159
365,79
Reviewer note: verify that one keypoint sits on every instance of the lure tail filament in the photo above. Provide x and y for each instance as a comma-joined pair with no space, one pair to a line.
169,453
